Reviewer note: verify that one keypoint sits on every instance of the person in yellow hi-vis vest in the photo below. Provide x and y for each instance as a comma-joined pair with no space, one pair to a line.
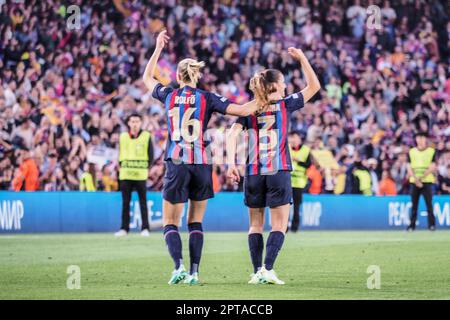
135,158
422,165
301,160
362,180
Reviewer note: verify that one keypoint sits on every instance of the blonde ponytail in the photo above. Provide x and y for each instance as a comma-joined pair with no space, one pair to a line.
189,70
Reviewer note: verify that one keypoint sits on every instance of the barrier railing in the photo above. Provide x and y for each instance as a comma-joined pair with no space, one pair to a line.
28,212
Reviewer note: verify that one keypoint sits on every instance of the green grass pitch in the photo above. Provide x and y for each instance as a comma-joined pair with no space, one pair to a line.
314,264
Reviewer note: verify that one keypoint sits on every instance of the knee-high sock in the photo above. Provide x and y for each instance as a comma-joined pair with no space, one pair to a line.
273,246
195,245
256,247
173,241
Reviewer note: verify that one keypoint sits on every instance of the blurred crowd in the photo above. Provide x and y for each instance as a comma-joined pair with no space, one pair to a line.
65,92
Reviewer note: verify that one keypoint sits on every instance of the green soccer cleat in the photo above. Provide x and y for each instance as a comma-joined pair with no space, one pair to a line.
270,277
178,275
192,279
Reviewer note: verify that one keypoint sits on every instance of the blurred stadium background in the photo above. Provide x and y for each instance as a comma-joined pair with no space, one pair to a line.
66,88
64,92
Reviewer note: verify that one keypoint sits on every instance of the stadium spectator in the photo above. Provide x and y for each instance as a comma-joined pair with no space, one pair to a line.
108,182
339,177
362,179
88,179
315,178
372,165
27,175
387,185
6,174
445,183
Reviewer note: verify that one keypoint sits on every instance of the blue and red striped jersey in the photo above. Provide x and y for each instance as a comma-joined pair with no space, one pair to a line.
268,150
188,112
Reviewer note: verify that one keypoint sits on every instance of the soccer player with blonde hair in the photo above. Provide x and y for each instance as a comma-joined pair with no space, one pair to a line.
188,174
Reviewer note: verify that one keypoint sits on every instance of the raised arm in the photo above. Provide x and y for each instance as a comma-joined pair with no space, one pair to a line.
244,110
312,82
149,73
231,145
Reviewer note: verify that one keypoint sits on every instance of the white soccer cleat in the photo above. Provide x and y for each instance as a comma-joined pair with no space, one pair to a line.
255,278
145,233
192,279
269,276
121,233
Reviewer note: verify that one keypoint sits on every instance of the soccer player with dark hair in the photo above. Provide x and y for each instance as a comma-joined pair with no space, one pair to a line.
188,174
268,179
421,171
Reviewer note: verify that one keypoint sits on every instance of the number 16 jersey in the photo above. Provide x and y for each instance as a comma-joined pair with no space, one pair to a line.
188,112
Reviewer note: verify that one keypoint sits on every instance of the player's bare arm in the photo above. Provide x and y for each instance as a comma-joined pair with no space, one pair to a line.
244,110
313,84
233,172
149,73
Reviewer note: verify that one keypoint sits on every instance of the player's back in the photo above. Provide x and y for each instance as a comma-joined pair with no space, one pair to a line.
268,150
188,112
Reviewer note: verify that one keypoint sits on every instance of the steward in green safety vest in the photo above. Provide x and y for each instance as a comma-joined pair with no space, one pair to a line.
135,153
422,165
135,157
420,161
362,181
301,161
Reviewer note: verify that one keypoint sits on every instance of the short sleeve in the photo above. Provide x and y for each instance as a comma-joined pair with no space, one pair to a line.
294,102
434,157
161,92
217,103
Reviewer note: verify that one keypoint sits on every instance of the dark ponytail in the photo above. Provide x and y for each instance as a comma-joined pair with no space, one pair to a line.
262,84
